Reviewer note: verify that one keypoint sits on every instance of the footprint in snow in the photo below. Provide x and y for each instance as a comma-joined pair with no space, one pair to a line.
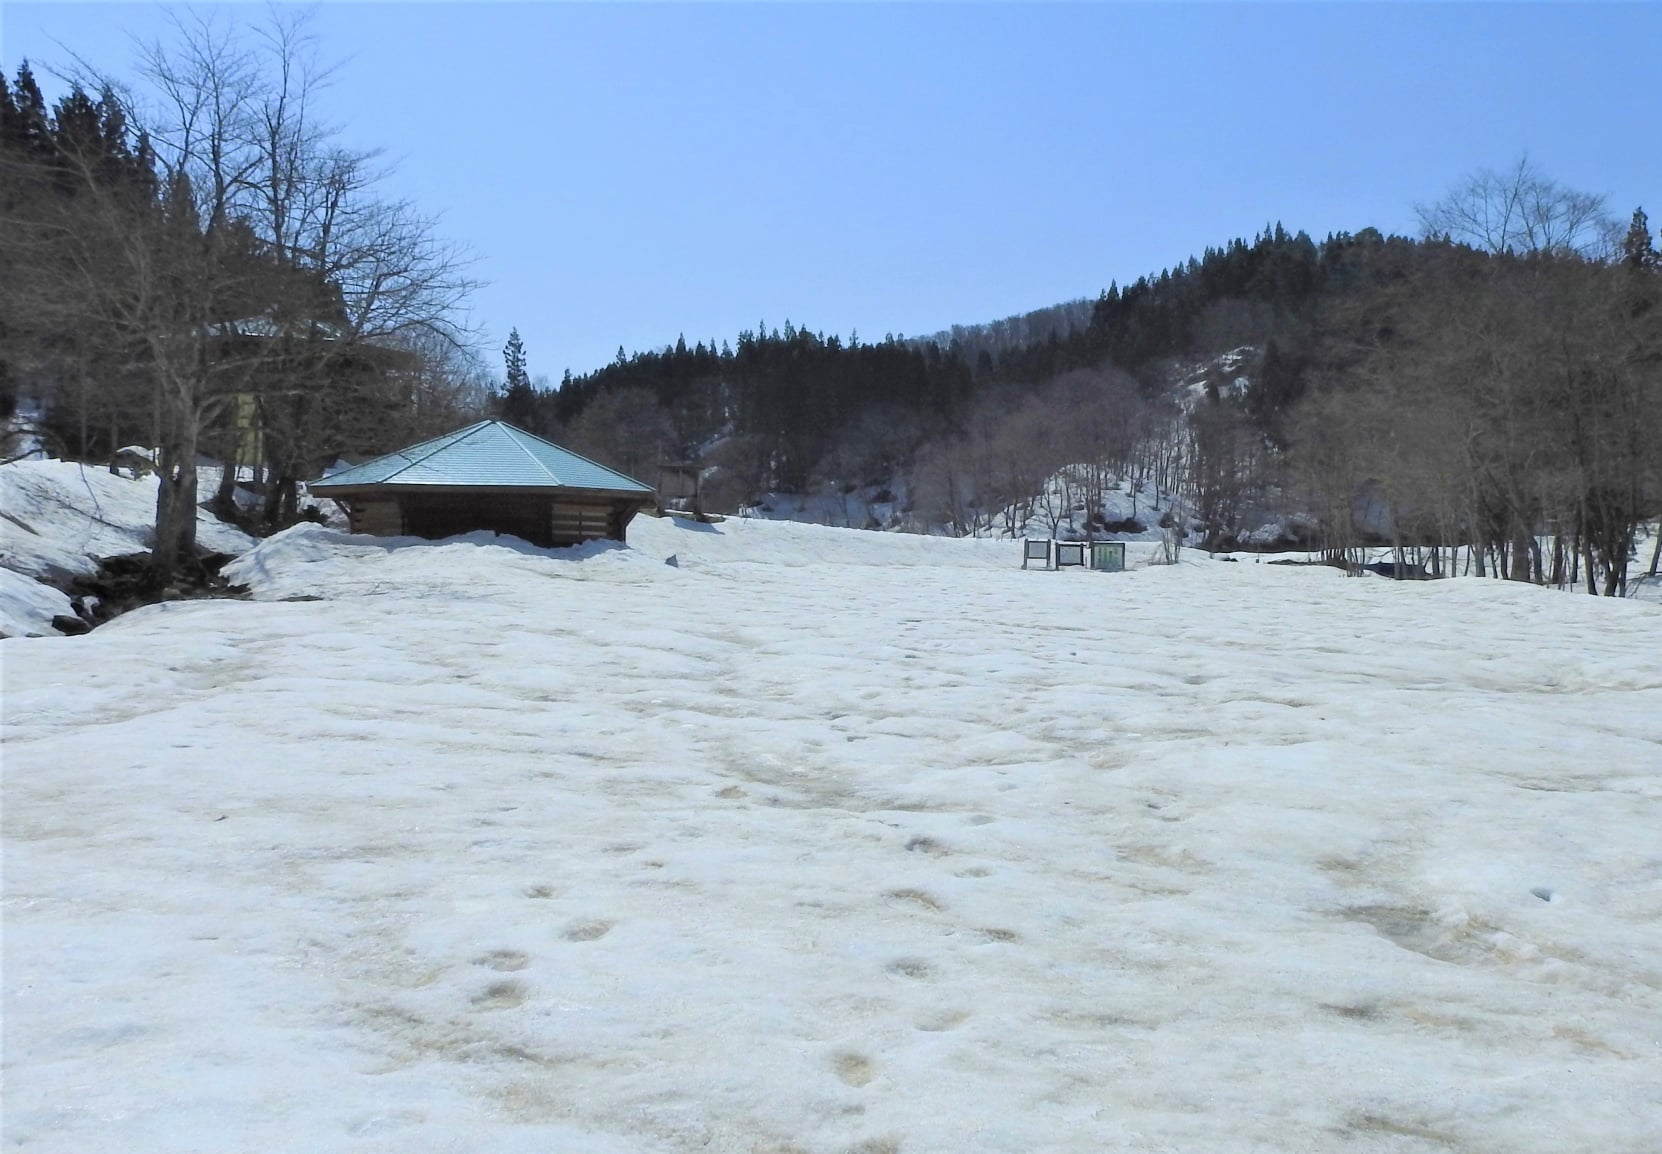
587,931
942,1022
500,996
853,1069
504,961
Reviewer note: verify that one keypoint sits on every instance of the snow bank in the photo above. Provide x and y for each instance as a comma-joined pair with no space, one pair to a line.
314,560
58,517
828,842
27,606
311,560
793,543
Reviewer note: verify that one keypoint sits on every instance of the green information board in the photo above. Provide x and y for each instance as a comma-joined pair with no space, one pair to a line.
1108,556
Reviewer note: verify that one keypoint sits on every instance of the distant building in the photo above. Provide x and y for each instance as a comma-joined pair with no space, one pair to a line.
488,476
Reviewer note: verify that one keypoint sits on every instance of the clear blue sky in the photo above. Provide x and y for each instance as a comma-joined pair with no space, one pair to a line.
626,173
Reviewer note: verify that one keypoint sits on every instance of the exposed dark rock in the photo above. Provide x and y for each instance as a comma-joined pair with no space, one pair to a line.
128,581
70,625
1403,572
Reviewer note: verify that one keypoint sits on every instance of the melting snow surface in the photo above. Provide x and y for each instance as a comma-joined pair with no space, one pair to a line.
823,842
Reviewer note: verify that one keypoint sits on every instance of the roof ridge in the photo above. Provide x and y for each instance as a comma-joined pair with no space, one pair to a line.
570,453
440,444
511,430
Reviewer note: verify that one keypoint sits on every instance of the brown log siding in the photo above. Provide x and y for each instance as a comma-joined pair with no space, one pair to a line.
541,520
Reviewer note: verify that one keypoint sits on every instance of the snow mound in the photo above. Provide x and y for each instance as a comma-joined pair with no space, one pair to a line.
27,606
796,543
58,517
318,561
1645,589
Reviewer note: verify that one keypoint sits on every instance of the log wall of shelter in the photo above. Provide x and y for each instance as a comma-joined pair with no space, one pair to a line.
573,521
379,516
537,518
439,515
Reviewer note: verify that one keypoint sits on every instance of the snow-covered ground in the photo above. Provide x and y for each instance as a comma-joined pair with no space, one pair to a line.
821,841
57,518
62,515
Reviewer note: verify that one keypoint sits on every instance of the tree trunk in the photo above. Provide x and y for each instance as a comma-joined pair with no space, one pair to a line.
176,498
1615,578
1520,552
224,502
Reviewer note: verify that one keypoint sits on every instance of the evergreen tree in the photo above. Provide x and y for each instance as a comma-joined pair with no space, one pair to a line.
27,131
8,111
513,354
1637,249
519,399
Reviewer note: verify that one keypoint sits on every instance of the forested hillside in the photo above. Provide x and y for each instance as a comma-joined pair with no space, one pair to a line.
1497,383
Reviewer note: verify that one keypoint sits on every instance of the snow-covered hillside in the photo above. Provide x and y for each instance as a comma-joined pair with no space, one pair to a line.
57,518
62,515
1125,512
823,841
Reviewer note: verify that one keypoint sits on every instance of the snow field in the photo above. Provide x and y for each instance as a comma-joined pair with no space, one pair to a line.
825,841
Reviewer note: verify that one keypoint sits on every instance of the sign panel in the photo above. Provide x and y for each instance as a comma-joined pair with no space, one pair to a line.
1070,553
1108,556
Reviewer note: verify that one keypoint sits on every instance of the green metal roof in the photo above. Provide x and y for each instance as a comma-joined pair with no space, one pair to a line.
490,454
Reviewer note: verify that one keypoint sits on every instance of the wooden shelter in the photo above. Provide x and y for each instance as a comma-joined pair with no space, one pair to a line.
489,476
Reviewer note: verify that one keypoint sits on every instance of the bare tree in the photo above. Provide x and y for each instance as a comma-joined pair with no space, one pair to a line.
626,429
943,487
268,261
1519,211
1508,401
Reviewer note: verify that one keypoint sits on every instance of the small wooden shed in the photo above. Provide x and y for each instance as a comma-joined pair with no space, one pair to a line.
489,476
